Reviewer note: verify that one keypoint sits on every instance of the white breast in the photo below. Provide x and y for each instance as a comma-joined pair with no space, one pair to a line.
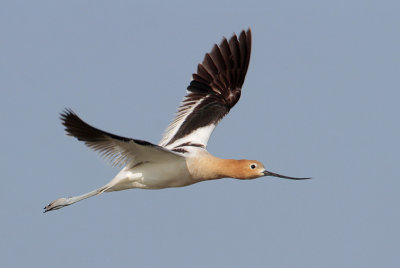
153,175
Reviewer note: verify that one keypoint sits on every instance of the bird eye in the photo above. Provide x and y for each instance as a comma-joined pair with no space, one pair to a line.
253,166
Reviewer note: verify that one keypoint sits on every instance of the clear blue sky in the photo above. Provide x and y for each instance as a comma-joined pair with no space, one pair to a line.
321,99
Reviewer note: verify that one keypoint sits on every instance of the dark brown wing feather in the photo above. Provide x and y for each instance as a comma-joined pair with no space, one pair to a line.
116,149
215,88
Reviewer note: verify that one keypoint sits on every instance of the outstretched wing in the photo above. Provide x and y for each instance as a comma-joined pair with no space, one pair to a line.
117,150
214,90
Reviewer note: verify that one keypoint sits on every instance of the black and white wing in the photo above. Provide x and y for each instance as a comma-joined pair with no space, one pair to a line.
214,90
117,150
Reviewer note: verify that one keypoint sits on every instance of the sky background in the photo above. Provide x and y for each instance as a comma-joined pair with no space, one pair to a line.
321,99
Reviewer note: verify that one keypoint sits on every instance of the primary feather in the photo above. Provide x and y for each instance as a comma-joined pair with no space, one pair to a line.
119,151
214,90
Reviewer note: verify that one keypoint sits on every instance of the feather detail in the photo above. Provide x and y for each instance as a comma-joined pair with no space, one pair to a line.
214,90
117,150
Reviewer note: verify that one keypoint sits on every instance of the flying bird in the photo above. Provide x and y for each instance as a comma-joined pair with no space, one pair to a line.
181,158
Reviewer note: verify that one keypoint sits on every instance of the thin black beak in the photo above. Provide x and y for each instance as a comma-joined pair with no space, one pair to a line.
268,173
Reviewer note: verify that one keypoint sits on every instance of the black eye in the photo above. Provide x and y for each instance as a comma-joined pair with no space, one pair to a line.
253,166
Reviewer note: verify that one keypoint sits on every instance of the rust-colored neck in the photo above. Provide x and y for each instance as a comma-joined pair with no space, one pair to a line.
210,167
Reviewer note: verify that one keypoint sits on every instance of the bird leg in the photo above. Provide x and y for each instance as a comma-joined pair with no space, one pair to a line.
66,201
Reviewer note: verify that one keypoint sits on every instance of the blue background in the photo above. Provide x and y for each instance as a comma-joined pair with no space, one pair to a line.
321,99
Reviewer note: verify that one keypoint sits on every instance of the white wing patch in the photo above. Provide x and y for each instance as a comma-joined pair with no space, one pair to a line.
120,153
186,108
198,136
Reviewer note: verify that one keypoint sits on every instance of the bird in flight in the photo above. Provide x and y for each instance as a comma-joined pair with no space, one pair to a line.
181,157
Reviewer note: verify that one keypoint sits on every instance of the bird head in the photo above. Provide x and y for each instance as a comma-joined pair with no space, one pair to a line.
252,169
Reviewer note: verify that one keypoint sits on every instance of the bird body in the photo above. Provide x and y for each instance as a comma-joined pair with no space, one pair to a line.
181,157
176,173
153,175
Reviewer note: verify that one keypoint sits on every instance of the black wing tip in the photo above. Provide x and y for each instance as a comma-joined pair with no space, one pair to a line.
66,114
244,32
225,67
72,123
67,111
76,127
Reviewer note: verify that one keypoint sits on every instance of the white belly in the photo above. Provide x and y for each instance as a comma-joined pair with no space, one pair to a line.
152,176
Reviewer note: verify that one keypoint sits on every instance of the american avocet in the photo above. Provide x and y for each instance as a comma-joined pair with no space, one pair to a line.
181,158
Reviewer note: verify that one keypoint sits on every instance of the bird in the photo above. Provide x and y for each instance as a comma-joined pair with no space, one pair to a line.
181,158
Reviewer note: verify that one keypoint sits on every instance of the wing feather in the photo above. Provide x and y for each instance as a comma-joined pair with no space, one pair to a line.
214,90
117,150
